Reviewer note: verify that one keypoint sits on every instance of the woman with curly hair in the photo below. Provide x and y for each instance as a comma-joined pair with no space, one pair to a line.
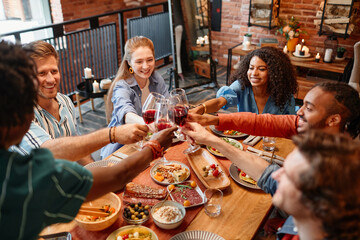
265,83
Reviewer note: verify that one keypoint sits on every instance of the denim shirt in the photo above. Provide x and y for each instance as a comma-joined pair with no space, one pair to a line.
269,185
127,98
245,100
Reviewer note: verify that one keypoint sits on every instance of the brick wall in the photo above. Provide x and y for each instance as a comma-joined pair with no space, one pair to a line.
233,23
234,20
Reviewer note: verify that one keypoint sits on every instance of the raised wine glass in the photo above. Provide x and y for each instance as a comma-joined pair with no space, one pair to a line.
163,118
180,104
149,109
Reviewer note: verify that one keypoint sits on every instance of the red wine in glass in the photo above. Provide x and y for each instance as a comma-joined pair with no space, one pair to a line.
163,124
149,116
180,115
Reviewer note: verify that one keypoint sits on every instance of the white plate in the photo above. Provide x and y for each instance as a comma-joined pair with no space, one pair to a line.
197,235
112,236
234,173
154,168
305,56
236,144
197,189
103,163
221,133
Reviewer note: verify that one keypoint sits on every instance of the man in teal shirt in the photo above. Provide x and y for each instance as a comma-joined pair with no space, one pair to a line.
38,190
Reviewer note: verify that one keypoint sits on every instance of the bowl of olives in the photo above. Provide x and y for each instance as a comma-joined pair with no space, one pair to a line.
136,214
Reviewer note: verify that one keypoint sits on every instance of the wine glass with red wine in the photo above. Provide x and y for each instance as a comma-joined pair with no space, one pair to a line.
180,106
163,117
149,110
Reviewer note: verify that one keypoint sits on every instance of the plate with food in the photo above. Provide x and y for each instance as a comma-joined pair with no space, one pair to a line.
147,195
228,133
171,172
186,193
202,162
133,232
196,234
242,178
228,140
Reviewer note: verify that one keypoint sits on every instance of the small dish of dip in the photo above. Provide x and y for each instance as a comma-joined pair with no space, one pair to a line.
168,214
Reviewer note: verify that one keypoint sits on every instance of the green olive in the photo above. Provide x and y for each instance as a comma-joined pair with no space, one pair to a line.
133,216
146,207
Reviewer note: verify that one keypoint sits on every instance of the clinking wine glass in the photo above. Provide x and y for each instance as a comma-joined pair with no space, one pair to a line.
149,109
163,119
180,105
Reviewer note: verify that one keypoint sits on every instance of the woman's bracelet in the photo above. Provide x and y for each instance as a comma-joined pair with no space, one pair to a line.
112,134
155,147
204,106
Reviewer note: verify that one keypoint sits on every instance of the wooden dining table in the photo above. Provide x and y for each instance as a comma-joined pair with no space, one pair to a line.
243,210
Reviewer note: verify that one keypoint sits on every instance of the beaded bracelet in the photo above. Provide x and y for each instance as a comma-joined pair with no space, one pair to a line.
155,147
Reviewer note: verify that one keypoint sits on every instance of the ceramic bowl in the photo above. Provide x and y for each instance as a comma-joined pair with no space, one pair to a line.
109,198
168,225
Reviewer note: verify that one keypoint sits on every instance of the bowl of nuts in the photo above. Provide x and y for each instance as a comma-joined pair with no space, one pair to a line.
136,214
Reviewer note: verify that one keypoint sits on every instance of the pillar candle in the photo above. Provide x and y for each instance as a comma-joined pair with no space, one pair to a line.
317,57
87,72
206,39
285,49
96,87
327,56
297,49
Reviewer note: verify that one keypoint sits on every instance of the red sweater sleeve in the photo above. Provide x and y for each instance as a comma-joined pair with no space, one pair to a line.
259,124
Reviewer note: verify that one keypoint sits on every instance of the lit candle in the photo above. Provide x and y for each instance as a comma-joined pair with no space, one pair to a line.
285,50
297,49
206,39
87,72
96,87
317,57
327,56
197,41
305,49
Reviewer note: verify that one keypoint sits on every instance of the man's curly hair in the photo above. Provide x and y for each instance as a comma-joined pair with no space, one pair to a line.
330,187
282,82
18,91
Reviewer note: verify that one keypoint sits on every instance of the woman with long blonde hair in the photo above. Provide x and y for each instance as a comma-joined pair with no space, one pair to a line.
134,81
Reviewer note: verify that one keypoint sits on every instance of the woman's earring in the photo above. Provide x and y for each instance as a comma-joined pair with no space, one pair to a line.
131,70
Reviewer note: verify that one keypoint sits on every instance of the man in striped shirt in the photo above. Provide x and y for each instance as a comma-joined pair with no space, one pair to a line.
55,126
37,190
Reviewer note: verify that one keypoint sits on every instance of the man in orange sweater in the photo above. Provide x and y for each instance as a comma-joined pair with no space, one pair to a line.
332,107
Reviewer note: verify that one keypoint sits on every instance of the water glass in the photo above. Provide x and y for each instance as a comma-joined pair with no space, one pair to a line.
269,143
213,202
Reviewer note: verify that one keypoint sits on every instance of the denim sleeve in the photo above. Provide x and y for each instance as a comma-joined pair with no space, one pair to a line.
266,182
122,100
289,108
230,94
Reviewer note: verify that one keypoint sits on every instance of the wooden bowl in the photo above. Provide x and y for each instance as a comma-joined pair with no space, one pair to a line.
109,198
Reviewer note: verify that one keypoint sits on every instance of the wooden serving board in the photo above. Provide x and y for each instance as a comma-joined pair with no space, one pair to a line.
202,158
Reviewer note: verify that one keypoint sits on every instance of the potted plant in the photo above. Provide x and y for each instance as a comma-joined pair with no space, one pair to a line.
247,37
340,52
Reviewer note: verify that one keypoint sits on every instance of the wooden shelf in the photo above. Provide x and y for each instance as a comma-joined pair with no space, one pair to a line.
199,48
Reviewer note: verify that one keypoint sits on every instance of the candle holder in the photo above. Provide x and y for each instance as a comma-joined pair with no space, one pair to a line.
317,60
89,84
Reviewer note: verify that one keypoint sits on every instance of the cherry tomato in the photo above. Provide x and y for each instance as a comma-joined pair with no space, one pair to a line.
171,187
125,236
213,165
193,184
187,203
216,173
243,174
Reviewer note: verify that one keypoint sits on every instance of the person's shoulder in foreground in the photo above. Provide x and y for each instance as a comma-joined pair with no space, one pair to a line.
42,190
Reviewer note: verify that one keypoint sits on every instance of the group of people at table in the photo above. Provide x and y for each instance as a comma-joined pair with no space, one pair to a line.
318,185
